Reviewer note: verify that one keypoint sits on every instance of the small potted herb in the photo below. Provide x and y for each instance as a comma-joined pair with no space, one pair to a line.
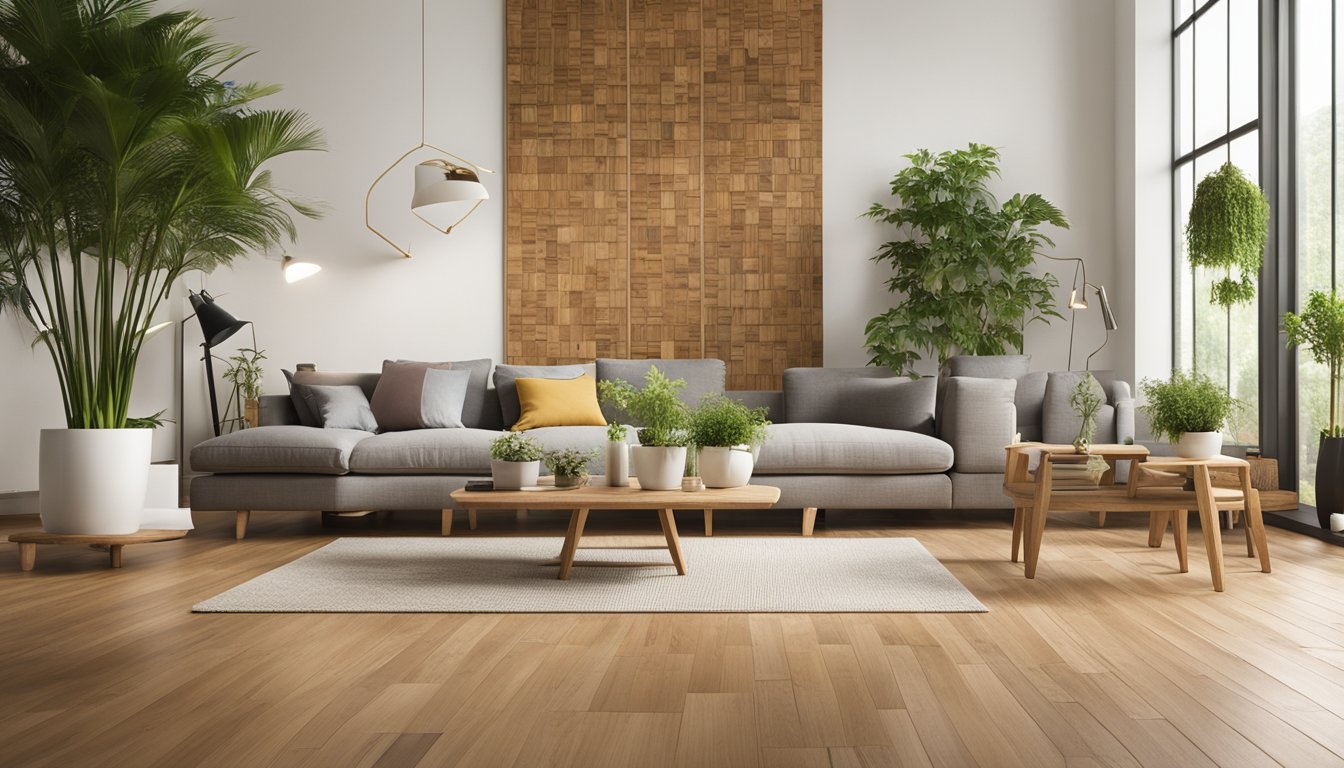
1086,401
515,461
660,458
1189,410
569,465
618,456
1320,328
726,432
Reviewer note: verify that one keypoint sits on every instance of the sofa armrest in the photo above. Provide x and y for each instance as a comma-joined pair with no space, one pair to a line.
1124,412
978,420
277,409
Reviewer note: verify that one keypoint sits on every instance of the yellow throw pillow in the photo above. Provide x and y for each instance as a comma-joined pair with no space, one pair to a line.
558,403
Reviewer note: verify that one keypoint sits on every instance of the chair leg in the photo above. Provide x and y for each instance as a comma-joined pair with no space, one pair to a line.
240,519
1157,527
1018,514
1180,532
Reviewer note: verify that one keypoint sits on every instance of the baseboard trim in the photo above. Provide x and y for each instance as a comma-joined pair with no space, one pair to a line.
18,503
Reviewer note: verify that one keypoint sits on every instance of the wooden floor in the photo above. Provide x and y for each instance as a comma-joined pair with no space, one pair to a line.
1109,657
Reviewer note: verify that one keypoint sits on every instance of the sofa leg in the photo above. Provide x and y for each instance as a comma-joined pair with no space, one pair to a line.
240,519
471,519
809,520
709,522
447,524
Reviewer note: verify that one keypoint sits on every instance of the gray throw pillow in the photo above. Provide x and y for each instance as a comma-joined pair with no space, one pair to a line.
367,382
341,406
506,377
1059,423
414,395
477,405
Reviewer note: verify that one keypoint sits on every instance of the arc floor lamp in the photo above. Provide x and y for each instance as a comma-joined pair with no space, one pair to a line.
1078,300
442,186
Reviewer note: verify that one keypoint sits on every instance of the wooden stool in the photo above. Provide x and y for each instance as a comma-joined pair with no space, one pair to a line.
28,541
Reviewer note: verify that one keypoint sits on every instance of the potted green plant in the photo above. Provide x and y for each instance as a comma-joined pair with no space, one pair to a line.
1086,401
243,370
1189,410
660,458
127,161
963,265
569,465
725,432
618,456
1320,328
515,461
1229,221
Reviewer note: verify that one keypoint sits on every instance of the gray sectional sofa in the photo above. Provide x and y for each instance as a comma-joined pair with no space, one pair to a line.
842,438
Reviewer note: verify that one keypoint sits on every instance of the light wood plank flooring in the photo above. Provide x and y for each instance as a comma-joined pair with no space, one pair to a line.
1109,658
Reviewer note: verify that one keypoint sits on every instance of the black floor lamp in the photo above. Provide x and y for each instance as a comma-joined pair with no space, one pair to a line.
217,325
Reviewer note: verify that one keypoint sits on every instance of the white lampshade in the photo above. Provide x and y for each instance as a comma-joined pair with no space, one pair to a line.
441,183
298,270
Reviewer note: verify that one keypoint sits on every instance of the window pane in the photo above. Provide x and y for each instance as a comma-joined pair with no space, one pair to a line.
1211,74
1184,314
1244,327
1185,94
1181,10
1244,61
1314,210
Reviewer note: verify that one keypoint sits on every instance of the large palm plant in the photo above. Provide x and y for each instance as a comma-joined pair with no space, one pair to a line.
125,160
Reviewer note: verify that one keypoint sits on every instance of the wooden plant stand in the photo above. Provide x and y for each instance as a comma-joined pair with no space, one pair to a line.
28,541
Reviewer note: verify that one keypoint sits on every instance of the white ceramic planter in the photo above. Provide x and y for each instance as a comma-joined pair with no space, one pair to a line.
618,464
1337,523
512,475
658,468
93,481
726,467
1199,445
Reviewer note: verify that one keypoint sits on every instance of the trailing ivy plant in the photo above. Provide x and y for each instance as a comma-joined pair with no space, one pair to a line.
1229,221
1320,328
962,262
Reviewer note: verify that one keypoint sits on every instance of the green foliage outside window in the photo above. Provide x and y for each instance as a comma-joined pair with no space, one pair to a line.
1320,328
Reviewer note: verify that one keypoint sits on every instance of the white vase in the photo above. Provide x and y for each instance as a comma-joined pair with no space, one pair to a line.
618,464
512,475
1199,445
726,467
93,481
658,468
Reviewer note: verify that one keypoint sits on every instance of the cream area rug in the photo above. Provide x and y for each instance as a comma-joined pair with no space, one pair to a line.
518,575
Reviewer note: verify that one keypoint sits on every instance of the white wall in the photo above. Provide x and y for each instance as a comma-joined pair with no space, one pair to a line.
1033,77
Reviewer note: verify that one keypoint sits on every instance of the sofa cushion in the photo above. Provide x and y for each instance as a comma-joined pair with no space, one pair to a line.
297,379
425,452
1059,424
414,395
978,420
849,449
279,449
506,375
558,403
870,397
340,407
703,377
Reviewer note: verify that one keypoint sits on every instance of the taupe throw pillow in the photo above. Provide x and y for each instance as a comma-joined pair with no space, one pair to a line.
340,407
413,395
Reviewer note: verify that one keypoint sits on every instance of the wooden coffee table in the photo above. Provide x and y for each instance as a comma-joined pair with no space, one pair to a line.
600,497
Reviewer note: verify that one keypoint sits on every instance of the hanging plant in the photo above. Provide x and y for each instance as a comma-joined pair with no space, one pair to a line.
1229,221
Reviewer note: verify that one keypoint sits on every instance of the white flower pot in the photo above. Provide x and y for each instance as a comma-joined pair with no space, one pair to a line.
1199,445
726,467
93,481
618,464
658,468
512,475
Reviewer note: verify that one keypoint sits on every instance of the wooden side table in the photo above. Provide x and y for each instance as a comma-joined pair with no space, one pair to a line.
28,541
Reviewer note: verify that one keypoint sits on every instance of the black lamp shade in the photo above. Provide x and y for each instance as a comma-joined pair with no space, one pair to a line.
217,325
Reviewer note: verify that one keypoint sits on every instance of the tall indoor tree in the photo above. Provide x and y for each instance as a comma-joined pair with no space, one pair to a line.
126,160
962,261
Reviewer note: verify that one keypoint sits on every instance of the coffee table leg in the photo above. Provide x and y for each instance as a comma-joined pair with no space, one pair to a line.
1208,523
1255,521
446,526
576,520
1018,514
1157,527
27,556
669,524
709,522
1180,531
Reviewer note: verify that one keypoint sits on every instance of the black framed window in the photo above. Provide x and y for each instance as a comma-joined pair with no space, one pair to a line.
1216,93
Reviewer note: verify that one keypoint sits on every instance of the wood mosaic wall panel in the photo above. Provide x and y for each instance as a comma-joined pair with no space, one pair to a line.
700,236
